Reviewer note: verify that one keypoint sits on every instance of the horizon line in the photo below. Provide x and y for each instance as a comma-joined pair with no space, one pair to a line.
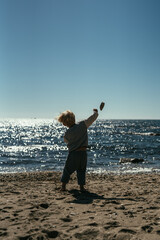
49,118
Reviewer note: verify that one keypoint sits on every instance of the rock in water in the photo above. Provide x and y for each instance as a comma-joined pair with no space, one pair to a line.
131,160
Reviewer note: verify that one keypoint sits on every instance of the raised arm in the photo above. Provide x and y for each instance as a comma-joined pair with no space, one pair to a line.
92,118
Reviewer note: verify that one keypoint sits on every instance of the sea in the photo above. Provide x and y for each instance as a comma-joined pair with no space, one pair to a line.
37,145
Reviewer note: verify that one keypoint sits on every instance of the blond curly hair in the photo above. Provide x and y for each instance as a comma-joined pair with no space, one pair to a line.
67,118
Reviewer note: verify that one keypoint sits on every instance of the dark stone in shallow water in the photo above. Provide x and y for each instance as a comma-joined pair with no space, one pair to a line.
155,134
131,160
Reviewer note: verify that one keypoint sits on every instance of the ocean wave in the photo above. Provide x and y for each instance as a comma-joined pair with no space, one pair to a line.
144,133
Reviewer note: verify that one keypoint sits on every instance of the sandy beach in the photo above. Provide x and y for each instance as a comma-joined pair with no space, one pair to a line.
116,207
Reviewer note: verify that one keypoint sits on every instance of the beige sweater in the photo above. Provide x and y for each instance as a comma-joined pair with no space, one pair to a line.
77,136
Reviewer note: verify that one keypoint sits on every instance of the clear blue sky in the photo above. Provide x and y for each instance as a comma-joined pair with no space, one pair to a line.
71,54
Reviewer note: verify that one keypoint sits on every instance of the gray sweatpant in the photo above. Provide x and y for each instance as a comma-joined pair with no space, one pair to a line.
76,161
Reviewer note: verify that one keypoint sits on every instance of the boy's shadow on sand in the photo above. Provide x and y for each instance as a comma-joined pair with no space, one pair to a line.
84,197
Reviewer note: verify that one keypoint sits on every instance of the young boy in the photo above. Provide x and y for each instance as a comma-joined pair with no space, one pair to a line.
76,138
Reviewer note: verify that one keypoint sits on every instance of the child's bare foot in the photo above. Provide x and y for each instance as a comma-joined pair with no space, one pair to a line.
63,188
82,188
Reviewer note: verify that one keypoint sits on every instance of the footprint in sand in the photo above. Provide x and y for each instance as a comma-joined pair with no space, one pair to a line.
111,225
8,207
3,232
44,205
28,237
15,214
125,230
4,211
60,198
158,232
67,219
51,234
94,224
147,228
18,193
87,234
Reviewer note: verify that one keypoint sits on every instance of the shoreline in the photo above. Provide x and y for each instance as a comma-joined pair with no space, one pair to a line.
88,172
116,207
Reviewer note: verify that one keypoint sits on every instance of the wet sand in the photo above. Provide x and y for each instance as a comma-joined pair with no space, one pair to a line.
123,207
